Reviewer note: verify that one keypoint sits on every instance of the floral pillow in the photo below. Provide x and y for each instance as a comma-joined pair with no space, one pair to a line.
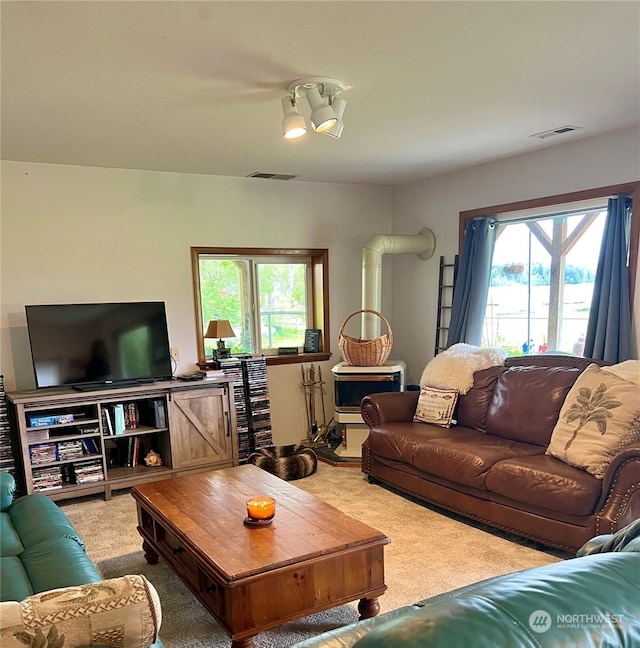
599,417
436,406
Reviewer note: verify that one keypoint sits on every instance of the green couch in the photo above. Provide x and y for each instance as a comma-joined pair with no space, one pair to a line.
49,584
588,601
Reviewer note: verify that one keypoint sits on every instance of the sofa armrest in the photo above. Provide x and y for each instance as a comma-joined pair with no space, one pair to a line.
86,615
620,499
389,407
626,539
7,489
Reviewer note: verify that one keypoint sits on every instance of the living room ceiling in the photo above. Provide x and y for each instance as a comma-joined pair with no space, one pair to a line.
195,87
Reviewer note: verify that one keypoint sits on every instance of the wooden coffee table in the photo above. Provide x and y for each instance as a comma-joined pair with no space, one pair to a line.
311,558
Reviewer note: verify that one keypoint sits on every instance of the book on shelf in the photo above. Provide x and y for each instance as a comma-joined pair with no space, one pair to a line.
90,446
118,418
107,424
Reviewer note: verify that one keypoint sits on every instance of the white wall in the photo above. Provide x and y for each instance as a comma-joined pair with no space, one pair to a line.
92,234
436,202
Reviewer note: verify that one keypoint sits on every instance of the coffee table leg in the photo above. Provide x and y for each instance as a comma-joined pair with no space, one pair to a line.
149,553
243,643
368,607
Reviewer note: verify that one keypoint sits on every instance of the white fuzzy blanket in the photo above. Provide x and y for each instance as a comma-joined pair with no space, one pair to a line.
454,368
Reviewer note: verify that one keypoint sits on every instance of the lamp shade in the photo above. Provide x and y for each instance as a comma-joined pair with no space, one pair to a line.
338,105
322,115
219,329
293,125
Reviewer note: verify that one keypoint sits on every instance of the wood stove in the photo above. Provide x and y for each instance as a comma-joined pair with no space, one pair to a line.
351,385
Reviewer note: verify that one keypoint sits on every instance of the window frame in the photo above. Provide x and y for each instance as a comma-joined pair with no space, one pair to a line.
561,201
318,306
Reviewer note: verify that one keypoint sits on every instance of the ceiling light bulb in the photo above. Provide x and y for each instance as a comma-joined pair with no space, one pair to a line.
338,104
322,115
293,125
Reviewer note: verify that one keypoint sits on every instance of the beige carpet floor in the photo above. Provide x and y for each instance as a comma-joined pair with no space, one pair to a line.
430,552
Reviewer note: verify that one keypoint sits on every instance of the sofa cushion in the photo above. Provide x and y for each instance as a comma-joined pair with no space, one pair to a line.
37,518
11,545
399,441
527,400
473,406
601,415
589,601
58,562
540,480
14,580
465,456
123,612
436,406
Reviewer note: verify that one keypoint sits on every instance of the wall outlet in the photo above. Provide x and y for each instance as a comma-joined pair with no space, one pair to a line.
175,353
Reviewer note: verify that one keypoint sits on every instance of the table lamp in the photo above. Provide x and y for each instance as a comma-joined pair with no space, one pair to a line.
220,329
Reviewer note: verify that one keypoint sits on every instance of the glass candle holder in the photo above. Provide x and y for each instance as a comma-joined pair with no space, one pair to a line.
261,509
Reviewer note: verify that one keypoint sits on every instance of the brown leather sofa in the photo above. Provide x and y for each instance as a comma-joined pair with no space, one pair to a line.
491,466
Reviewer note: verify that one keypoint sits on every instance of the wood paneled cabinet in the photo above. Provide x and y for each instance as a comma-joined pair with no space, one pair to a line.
79,443
201,423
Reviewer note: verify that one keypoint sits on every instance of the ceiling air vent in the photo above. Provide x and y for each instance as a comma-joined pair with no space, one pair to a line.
271,176
561,130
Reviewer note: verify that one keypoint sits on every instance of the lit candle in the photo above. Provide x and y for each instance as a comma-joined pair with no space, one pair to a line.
261,507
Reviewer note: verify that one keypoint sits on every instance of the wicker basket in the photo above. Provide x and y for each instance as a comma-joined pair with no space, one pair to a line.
366,353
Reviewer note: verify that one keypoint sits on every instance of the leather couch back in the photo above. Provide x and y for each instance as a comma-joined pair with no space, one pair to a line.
522,399
526,402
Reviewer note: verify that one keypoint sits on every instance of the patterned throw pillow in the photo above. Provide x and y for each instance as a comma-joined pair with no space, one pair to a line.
123,612
599,417
436,406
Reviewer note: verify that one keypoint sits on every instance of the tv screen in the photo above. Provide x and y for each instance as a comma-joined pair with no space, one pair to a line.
85,344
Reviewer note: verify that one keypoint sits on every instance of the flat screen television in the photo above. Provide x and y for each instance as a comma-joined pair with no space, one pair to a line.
93,345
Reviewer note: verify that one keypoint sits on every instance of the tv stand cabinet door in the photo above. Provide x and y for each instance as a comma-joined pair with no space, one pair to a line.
203,430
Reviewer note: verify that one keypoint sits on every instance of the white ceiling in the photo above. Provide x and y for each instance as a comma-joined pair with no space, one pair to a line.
195,87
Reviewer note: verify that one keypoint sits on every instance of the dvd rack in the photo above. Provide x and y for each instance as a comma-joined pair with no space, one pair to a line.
256,384
7,461
251,396
232,368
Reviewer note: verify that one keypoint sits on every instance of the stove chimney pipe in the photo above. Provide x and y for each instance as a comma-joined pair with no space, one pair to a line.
423,244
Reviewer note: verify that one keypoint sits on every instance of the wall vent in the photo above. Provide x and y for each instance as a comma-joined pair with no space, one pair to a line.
561,130
271,176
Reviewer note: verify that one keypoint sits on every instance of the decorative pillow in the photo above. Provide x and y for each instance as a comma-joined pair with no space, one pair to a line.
436,406
123,612
599,417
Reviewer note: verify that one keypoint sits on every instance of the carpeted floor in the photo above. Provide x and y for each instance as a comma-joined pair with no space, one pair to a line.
430,552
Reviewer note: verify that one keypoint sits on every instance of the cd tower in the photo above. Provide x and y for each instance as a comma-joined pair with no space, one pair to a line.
253,408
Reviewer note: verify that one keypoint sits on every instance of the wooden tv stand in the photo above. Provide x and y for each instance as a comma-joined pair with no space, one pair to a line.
70,443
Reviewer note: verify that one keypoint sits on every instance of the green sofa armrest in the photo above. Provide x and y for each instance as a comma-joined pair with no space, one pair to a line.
7,489
87,615
625,539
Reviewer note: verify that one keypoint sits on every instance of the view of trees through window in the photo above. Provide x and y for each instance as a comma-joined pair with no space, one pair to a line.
264,299
543,273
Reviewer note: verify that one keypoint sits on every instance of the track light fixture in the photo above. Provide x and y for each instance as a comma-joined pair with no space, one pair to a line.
326,106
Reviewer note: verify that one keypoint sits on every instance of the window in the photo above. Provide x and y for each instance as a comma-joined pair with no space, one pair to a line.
544,265
270,298
542,280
